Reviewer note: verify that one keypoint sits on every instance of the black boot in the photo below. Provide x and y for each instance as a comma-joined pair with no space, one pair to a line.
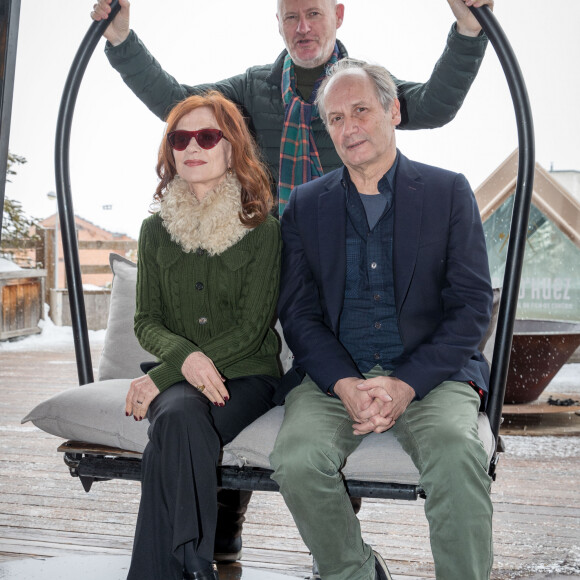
356,503
232,506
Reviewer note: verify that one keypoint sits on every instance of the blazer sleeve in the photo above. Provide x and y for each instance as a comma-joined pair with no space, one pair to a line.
316,348
466,300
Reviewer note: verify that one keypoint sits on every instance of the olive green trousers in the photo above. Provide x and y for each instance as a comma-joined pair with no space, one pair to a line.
440,434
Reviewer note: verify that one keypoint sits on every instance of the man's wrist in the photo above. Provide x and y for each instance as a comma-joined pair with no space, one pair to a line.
464,32
334,390
117,41
339,388
330,391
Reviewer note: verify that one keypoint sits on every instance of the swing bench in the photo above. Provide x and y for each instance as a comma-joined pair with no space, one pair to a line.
102,444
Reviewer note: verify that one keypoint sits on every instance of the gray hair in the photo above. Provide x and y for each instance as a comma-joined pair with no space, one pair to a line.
385,87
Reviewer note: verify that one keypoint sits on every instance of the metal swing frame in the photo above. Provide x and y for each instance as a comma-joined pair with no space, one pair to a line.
97,463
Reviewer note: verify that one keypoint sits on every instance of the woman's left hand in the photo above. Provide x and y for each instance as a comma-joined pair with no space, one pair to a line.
139,397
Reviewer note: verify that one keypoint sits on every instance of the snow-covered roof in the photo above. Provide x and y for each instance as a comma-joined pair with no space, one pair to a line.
8,266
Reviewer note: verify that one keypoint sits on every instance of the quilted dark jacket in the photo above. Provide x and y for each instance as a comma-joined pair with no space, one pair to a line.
257,91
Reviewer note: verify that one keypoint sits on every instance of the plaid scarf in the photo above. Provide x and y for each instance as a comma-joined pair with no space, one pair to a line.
299,160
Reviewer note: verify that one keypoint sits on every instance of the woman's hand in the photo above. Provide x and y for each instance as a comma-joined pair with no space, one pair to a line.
199,371
139,397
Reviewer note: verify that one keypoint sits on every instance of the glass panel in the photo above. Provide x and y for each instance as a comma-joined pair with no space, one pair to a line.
550,285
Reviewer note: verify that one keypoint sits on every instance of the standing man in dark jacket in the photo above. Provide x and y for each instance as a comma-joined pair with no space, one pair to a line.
277,99
272,95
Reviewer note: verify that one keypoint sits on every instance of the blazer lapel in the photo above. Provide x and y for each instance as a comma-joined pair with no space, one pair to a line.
409,191
332,247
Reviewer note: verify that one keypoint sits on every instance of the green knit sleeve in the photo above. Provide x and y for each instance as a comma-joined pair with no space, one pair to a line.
165,375
258,302
150,328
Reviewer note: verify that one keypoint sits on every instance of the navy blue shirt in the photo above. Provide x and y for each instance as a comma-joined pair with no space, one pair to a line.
368,322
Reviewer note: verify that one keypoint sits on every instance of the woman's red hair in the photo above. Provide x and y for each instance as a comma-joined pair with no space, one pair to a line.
256,196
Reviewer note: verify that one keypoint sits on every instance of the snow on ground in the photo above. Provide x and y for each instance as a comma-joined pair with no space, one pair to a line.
535,447
567,568
567,380
52,337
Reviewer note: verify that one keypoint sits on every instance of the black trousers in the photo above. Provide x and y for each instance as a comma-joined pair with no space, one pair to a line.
178,510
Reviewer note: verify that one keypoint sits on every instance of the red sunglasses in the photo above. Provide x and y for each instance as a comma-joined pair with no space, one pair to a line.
206,138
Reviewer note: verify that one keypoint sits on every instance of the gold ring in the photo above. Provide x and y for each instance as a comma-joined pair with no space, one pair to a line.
200,388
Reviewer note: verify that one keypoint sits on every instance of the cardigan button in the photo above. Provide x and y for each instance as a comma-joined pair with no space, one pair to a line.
203,320
200,251
199,285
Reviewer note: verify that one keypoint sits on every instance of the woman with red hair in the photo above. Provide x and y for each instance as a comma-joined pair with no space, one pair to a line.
207,286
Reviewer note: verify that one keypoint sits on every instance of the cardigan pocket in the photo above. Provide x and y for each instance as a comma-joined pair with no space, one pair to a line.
166,257
235,258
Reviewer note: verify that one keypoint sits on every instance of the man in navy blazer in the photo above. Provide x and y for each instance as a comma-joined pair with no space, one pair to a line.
385,297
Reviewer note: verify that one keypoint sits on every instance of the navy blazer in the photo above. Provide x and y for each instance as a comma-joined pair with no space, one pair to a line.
443,291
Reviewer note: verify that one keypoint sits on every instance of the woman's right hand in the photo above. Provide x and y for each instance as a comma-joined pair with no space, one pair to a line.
141,392
118,30
199,371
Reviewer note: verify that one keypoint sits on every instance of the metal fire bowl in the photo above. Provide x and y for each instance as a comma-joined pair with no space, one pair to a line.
539,349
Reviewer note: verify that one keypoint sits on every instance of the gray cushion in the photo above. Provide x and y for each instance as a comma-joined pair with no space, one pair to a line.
94,413
488,342
122,353
286,357
378,458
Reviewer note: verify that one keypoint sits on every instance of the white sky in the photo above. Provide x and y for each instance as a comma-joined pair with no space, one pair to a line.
115,137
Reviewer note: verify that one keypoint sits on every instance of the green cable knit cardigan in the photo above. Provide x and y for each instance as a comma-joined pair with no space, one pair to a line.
222,305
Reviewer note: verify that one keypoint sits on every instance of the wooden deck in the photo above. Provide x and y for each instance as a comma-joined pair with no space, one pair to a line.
45,513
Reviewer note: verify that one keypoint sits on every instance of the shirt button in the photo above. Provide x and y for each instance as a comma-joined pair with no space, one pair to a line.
199,285
377,297
203,320
374,265
377,356
377,325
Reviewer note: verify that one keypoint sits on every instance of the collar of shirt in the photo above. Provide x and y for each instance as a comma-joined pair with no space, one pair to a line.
386,184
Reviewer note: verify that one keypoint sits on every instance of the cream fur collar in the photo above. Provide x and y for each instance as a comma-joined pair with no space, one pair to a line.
212,224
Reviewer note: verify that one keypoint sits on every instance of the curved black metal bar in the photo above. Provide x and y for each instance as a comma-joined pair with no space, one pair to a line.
520,215
518,229
64,197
